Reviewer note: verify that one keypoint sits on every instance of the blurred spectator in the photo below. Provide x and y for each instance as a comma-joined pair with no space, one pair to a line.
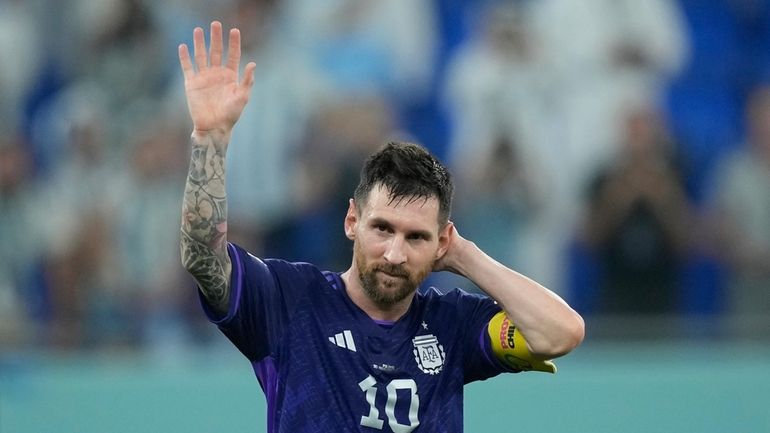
499,95
730,55
609,55
497,207
110,54
153,293
21,246
638,221
340,137
262,157
82,192
23,49
497,85
741,213
117,46
368,46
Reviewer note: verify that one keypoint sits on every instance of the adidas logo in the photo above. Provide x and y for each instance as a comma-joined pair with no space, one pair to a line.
344,339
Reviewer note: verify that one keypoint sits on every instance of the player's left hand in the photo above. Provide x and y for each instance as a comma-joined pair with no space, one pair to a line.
456,247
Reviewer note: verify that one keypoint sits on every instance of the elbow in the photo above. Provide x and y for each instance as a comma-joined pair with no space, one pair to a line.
577,332
566,339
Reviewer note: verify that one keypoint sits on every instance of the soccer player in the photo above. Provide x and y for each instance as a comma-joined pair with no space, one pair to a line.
361,350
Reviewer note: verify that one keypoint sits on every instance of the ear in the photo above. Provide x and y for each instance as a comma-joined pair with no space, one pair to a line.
445,236
351,220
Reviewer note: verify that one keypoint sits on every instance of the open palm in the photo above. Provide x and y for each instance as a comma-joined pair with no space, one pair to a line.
215,97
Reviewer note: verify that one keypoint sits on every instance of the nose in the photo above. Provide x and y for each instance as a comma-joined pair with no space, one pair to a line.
395,253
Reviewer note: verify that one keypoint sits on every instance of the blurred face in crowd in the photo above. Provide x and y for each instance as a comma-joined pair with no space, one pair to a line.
14,166
395,243
644,133
508,33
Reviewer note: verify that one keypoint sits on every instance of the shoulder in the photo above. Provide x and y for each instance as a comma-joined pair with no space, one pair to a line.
296,276
451,295
296,268
457,299
284,272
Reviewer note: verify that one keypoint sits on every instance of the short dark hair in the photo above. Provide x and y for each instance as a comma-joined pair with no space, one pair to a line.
408,171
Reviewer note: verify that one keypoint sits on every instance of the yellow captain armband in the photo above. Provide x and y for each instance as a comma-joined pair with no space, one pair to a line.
510,347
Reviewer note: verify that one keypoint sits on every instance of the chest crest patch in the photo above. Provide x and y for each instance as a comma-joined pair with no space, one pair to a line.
428,353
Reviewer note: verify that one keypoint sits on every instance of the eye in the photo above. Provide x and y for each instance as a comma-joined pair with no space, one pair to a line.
381,227
416,237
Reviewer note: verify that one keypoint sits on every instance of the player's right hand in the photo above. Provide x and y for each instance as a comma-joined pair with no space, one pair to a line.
215,97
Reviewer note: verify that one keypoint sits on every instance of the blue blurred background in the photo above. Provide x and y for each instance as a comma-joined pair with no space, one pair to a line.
618,151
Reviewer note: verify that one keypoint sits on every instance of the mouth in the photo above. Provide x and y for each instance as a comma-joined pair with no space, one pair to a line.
401,276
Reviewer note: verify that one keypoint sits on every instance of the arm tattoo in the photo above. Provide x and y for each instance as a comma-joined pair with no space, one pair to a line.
204,222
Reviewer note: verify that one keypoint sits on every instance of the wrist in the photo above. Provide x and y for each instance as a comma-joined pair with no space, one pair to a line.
216,135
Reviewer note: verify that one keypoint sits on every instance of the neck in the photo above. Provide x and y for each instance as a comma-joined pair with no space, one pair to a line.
375,311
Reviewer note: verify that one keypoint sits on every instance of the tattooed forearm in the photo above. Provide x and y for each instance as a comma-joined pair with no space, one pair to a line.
204,222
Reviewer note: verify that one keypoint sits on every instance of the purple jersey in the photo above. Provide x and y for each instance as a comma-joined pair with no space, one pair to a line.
325,366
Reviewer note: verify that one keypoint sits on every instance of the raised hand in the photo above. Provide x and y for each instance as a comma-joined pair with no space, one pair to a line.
215,97
456,247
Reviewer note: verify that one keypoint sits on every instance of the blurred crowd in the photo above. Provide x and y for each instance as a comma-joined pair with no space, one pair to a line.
618,151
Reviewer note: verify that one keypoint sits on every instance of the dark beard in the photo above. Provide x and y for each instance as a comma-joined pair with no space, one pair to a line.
370,285
406,285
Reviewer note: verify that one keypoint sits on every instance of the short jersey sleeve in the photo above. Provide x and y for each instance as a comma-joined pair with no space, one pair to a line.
257,310
479,361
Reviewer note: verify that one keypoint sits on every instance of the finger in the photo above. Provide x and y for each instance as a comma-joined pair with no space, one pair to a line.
234,50
184,60
199,47
215,53
248,75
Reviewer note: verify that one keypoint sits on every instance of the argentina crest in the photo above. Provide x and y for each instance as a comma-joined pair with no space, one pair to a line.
428,353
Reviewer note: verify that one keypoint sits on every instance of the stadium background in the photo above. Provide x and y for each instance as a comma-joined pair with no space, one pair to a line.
528,101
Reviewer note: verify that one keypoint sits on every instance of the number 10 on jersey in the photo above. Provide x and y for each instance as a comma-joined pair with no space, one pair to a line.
372,420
